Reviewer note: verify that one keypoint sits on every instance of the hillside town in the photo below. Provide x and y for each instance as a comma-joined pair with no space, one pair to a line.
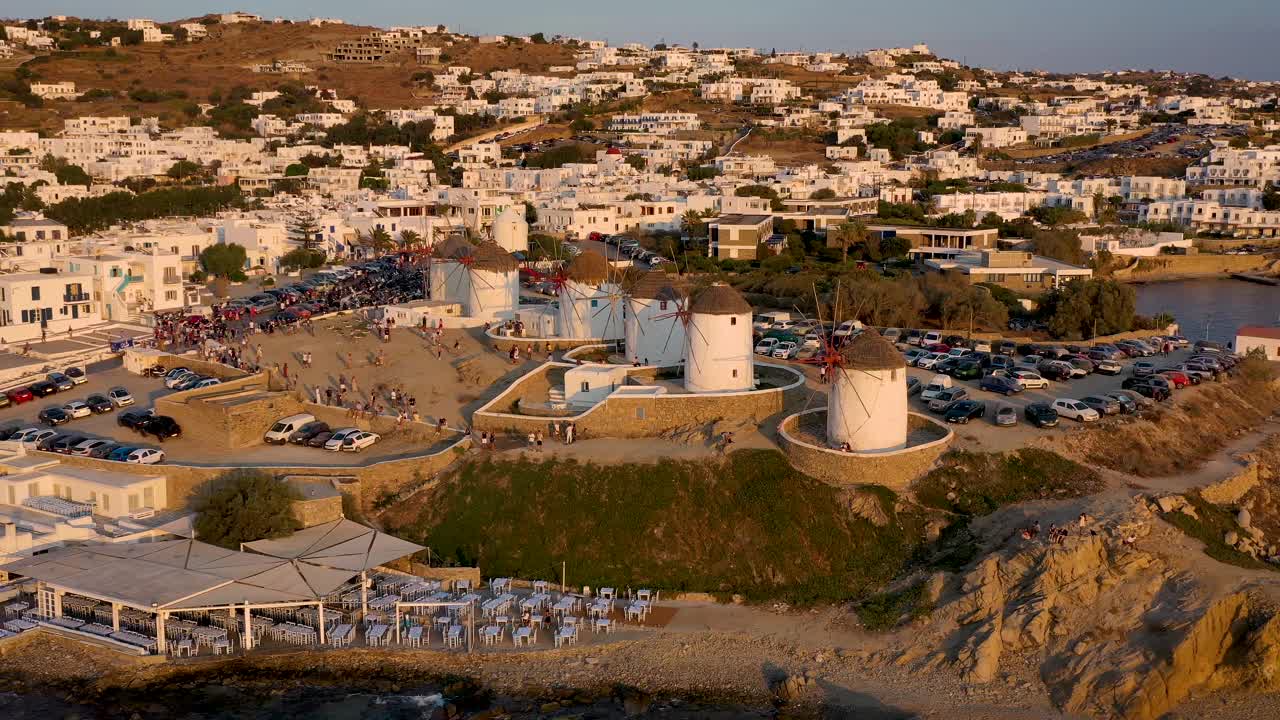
596,377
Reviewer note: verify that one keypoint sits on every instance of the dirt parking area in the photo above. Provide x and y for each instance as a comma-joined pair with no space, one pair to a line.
984,434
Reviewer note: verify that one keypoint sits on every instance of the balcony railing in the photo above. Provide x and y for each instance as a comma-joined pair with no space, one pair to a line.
75,297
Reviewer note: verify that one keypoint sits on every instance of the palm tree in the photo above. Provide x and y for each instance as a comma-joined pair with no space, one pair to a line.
692,225
409,239
849,233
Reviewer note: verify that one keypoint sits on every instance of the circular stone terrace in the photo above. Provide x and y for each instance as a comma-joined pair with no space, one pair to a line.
804,438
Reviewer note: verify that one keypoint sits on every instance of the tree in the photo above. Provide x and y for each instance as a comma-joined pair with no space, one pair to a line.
65,172
1054,216
409,238
530,214
225,261
760,191
297,170
1089,308
184,169
377,240
302,259
1271,198
822,194
1061,245
304,230
244,506
847,234
692,224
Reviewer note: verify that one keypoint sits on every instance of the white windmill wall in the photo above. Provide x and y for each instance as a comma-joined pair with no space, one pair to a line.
607,312
575,310
510,231
718,353
868,410
492,294
449,281
653,341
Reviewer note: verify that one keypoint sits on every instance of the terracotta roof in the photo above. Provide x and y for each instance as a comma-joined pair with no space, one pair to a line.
720,299
870,351
491,258
659,286
589,268
1260,331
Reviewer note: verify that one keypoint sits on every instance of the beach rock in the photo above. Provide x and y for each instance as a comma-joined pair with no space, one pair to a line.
1169,503
1231,538
1243,518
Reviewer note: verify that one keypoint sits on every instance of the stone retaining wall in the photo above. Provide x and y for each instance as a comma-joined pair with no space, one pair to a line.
373,481
630,416
895,470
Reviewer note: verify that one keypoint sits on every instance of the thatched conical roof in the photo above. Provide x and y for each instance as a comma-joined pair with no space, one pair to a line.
452,246
492,258
659,286
720,299
870,351
588,268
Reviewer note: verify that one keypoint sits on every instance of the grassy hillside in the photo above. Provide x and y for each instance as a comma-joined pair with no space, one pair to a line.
751,525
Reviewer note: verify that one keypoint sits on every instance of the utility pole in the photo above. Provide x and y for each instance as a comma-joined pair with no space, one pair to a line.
562,576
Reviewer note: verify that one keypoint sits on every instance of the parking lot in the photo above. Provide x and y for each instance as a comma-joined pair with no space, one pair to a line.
994,437
190,448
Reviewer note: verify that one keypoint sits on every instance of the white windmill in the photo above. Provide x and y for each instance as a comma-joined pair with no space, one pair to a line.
493,282
582,291
654,331
718,351
448,281
511,231
867,402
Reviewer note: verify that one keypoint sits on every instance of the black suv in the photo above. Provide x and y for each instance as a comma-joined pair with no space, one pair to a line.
1041,415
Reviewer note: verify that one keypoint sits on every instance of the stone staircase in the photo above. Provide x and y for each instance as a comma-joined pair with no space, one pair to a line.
555,396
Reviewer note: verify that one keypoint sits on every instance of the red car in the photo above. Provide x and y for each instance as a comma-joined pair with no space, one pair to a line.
939,347
1177,377
20,395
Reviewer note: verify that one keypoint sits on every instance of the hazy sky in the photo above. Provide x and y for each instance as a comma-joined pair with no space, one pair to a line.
1224,37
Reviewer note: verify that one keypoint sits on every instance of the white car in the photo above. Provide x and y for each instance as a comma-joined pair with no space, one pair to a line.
21,435
933,337
1030,380
766,346
77,409
208,382
1199,371
1076,410
928,360
120,397
959,352
32,439
359,441
335,440
812,340
176,380
89,446
145,456
77,375
785,350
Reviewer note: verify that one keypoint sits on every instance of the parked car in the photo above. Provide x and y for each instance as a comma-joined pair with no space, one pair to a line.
913,355
999,362
1028,379
1140,400
319,439
102,451
1000,384
1145,388
1042,415
77,375
43,389
356,442
766,346
278,434
932,337
946,398
1127,404
1103,404
20,395
303,434
338,437
1081,363
155,371
133,419
173,381
66,443
1144,368
162,426
1007,348
1076,410
145,456
1196,370
1178,378
1005,416
119,397
85,447
47,443
785,350
54,416
959,352
965,410
77,409
982,346
121,452
914,386
1055,370
60,381
967,370
929,361
1108,367
936,386
99,404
